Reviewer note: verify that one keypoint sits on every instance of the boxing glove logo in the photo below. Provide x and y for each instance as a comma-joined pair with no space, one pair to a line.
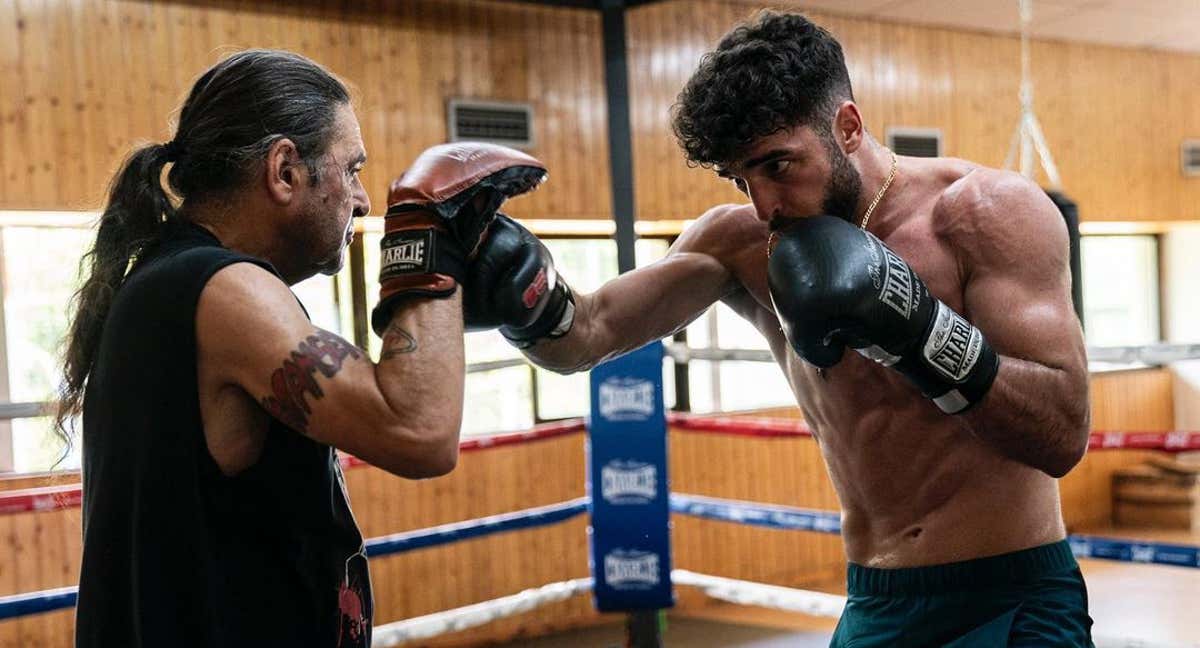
897,288
953,346
406,252
535,289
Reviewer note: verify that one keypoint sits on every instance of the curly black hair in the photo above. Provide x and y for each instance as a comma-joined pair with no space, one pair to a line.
774,72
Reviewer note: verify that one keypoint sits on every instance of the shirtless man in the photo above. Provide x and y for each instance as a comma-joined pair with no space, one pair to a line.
944,433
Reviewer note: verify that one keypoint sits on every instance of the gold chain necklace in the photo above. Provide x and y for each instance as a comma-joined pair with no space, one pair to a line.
882,190
870,208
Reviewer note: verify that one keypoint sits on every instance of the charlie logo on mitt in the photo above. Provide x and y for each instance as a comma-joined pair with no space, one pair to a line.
406,252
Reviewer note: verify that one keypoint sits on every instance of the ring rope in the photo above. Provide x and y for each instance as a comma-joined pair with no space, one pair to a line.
477,614
52,498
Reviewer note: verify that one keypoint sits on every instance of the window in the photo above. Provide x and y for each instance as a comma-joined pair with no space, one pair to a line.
40,276
587,264
503,392
1120,289
37,290
721,386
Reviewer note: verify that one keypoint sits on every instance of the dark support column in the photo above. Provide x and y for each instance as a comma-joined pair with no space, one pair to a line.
683,387
641,627
1070,213
642,630
620,139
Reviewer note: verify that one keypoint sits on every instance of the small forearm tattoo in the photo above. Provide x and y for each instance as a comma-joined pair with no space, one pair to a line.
296,379
397,342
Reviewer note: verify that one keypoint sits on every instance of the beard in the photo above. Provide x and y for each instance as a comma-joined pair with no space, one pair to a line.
844,187
318,244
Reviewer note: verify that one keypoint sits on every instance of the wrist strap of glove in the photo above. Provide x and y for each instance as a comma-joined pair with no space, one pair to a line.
556,320
953,364
417,259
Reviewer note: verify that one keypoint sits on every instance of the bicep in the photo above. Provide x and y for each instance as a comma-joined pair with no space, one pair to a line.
252,334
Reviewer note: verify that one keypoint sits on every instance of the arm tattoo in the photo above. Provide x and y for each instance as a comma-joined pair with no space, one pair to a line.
397,342
321,351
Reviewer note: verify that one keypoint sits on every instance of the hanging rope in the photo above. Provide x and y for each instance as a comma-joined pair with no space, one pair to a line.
1027,138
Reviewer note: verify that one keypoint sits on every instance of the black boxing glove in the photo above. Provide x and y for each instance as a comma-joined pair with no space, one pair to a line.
512,284
835,285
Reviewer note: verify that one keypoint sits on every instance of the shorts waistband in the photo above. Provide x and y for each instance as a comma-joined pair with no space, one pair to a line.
981,573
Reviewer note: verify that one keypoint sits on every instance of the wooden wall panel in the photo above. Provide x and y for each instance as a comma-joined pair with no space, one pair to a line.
82,82
41,550
1137,400
1113,117
786,471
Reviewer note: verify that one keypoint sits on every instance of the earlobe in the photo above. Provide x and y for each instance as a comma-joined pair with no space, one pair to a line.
849,126
280,171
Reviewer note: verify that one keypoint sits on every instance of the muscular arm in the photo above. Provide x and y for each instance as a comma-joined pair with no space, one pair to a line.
649,303
402,415
1014,253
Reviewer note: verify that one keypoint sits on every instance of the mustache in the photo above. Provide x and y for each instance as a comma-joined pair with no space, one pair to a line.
781,223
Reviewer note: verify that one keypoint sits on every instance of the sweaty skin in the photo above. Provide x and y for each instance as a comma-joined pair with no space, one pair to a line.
917,487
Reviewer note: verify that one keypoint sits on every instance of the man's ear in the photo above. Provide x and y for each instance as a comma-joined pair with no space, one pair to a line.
285,171
848,127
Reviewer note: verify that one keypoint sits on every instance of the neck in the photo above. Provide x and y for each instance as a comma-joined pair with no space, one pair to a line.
874,167
243,225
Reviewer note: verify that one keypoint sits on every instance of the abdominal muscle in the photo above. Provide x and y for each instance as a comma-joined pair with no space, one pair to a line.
916,486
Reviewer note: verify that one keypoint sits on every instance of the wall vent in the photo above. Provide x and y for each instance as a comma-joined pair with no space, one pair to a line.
510,124
916,142
1189,157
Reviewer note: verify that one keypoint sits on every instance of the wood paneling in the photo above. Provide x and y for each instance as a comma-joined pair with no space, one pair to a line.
82,82
1113,117
1137,400
786,471
41,550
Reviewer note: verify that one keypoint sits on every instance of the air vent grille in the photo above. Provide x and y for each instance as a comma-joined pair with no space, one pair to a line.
1190,157
916,142
510,124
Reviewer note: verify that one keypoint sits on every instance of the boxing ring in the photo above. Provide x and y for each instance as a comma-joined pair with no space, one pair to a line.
637,480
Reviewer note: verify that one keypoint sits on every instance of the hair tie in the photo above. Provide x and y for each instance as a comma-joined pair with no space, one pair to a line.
173,150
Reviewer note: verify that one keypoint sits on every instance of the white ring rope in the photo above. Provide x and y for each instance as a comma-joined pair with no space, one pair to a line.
741,592
477,614
769,596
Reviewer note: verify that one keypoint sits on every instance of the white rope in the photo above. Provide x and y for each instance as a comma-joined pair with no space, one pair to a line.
1028,138
740,592
446,621
770,596
1102,641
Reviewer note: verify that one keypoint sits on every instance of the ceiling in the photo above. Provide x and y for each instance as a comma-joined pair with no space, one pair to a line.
1159,24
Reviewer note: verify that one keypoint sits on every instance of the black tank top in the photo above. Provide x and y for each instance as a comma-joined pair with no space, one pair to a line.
176,554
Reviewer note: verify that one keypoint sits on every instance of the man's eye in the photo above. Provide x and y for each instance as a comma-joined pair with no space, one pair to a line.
777,167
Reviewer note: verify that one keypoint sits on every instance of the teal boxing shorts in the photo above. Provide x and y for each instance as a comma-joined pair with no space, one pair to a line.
1035,597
